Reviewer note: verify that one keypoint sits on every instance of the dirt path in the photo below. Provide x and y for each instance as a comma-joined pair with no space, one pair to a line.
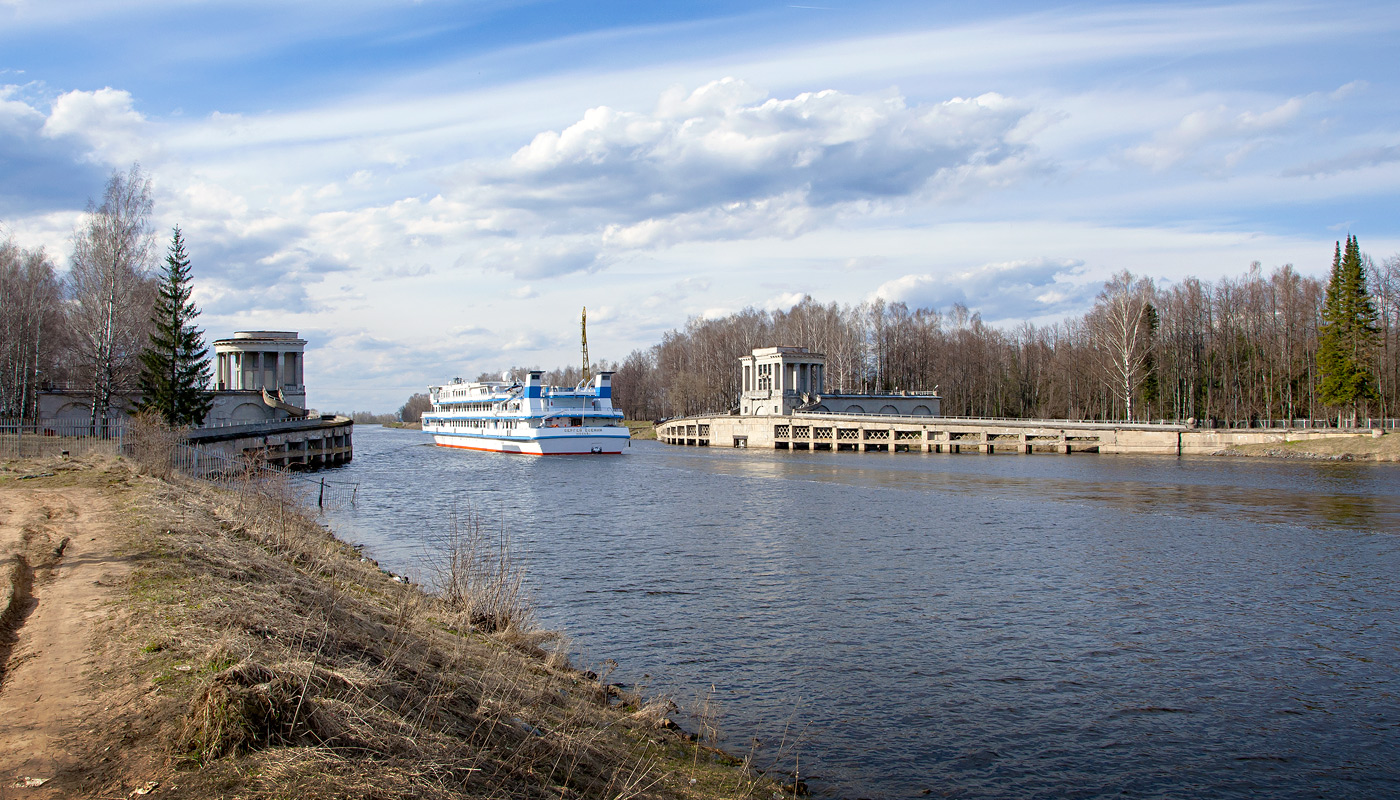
58,547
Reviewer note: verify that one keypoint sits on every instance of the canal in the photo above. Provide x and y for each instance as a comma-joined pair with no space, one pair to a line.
959,625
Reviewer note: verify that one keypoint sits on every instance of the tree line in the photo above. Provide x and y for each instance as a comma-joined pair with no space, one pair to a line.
1237,351
114,325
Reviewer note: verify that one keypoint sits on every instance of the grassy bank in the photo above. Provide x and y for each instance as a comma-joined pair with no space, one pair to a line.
1362,447
641,429
412,426
249,653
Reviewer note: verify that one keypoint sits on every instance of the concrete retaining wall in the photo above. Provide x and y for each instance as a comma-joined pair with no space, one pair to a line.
307,443
863,433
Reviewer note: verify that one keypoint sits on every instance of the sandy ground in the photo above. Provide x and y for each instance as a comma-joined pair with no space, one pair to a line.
59,546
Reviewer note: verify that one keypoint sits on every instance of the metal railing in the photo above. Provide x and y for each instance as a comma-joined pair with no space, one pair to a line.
56,437
243,472
1362,423
77,437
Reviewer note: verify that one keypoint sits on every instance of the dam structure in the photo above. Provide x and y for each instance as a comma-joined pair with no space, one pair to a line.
258,411
782,407
259,406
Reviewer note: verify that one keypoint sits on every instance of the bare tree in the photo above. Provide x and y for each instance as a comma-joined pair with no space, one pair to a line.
1385,278
110,288
1120,326
31,315
412,411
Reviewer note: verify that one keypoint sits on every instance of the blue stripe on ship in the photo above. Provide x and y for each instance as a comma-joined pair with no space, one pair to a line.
529,438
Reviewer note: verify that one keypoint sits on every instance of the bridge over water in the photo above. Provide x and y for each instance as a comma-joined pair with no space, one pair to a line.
922,434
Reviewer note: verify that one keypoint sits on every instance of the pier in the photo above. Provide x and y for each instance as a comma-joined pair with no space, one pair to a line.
869,433
324,441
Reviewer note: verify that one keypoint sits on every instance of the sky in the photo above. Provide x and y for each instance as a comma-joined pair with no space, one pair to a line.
427,189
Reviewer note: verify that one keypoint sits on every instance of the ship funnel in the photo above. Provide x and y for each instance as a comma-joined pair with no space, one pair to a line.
534,383
602,381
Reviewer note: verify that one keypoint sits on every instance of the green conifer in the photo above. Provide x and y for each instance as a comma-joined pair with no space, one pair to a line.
1347,339
174,369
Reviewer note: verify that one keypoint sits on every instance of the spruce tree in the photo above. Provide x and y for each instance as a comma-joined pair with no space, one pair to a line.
1347,339
174,369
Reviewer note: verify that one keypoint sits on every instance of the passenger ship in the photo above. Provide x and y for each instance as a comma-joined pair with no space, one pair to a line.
513,417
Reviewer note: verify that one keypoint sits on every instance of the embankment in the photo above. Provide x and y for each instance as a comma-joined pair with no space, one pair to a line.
1360,447
223,644
641,429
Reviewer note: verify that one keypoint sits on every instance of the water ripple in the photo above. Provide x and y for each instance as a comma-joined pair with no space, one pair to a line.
963,626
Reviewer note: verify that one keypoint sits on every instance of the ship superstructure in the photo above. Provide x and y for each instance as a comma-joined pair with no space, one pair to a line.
510,416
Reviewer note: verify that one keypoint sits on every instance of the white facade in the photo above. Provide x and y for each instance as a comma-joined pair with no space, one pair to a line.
777,381
251,362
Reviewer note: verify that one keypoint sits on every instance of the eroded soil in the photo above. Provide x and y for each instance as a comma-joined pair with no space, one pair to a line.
59,545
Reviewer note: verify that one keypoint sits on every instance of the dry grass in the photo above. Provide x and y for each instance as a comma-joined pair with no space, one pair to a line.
477,579
642,429
262,658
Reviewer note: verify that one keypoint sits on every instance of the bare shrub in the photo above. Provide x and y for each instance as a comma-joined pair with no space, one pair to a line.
475,575
154,443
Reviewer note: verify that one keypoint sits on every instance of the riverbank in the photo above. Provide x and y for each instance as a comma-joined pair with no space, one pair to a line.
179,640
1361,447
641,429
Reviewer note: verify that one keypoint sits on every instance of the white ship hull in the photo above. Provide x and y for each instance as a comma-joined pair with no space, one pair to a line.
557,442
528,417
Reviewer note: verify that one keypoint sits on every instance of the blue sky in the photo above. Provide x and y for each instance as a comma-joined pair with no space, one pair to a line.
431,189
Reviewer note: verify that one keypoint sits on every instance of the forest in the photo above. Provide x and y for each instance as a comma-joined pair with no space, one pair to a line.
1237,351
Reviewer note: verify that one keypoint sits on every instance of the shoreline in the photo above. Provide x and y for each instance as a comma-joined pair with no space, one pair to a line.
244,649
1362,447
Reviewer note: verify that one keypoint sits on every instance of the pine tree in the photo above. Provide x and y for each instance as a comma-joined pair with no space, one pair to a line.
1348,334
174,369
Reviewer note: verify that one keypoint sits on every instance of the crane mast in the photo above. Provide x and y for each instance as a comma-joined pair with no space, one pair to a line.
587,376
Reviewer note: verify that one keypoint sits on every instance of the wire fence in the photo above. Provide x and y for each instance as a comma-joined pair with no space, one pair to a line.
44,438
241,473
53,438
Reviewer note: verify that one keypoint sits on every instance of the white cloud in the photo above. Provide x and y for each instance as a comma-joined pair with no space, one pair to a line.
537,260
1360,158
724,150
1028,287
784,301
106,121
1220,135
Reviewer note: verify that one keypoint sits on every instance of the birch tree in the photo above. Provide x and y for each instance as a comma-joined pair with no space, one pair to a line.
31,316
110,288
1121,329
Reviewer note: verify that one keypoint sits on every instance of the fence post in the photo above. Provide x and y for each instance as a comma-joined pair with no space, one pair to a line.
321,498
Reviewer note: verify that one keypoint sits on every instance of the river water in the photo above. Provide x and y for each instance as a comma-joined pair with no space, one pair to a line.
963,626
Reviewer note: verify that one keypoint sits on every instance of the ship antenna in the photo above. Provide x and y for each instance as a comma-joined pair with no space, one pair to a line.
586,375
